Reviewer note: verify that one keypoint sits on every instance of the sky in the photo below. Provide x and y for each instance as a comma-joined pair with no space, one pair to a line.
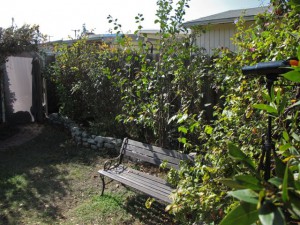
59,18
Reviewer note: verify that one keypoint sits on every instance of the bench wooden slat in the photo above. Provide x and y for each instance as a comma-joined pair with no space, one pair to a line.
159,194
150,154
151,181
145,148
143,177
154,155
137,176
155,161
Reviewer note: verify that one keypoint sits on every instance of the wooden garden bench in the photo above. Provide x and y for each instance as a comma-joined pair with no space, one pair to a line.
151,185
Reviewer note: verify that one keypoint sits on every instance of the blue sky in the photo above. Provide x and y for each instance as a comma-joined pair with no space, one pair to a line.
57,18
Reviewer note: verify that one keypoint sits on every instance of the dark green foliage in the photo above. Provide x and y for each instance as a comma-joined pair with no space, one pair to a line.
15,40
83,75
241,118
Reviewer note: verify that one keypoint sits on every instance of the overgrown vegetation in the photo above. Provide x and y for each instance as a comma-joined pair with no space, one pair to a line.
15,40
163,101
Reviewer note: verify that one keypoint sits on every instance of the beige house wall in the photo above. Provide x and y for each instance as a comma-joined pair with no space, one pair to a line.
218,36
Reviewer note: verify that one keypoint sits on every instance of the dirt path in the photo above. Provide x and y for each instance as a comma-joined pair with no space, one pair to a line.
24,134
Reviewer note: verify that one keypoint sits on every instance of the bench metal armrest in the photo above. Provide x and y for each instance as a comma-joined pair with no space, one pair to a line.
115,162
112,163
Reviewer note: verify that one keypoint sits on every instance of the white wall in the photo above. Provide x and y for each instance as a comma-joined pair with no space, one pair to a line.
217,36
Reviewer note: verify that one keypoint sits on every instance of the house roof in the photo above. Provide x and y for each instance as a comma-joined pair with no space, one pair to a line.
227,16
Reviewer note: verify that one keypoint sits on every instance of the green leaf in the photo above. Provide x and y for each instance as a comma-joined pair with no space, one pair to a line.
275,181
285,196
182,129
172,119
231,183
248,181
266,97
193,126
292,76
149,202
269,214
279,167
243,214
266,108
294,204
182,140
284,147
296,136
208,129
285,136
245,195
183,118
295,104
282,105
237,154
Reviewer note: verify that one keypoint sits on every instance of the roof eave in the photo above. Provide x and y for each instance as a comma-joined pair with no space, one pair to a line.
217,21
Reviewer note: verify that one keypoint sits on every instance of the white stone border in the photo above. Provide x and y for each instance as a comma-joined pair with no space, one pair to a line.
82,138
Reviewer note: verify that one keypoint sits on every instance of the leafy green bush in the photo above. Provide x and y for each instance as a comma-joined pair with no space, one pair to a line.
82,73
238,121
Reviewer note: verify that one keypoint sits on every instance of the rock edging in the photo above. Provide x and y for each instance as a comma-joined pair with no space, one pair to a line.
82,137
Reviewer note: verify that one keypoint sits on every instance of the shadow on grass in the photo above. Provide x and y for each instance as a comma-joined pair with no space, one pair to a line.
156,214
33,177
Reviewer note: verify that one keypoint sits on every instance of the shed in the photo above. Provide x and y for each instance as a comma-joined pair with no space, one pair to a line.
220,28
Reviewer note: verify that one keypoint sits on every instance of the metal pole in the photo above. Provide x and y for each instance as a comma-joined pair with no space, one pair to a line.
268,145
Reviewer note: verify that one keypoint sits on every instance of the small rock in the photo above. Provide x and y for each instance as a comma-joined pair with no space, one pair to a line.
109,145
99,139
100,145
94,147
85,144
108,139
84,134
91,141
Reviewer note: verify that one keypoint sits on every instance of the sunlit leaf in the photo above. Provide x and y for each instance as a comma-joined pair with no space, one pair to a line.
295,136
284,147
182,129
292,76
245,195
149,202
183,118
243,214
182,140
266,108
208,129
285,136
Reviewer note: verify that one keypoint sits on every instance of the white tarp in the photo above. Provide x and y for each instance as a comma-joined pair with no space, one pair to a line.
18,85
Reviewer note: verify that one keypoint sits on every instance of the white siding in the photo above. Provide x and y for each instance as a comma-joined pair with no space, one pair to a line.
217,36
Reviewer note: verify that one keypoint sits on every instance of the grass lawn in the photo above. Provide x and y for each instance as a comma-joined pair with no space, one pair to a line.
48,180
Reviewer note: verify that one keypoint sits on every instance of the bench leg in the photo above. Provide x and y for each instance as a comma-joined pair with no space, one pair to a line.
103,184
